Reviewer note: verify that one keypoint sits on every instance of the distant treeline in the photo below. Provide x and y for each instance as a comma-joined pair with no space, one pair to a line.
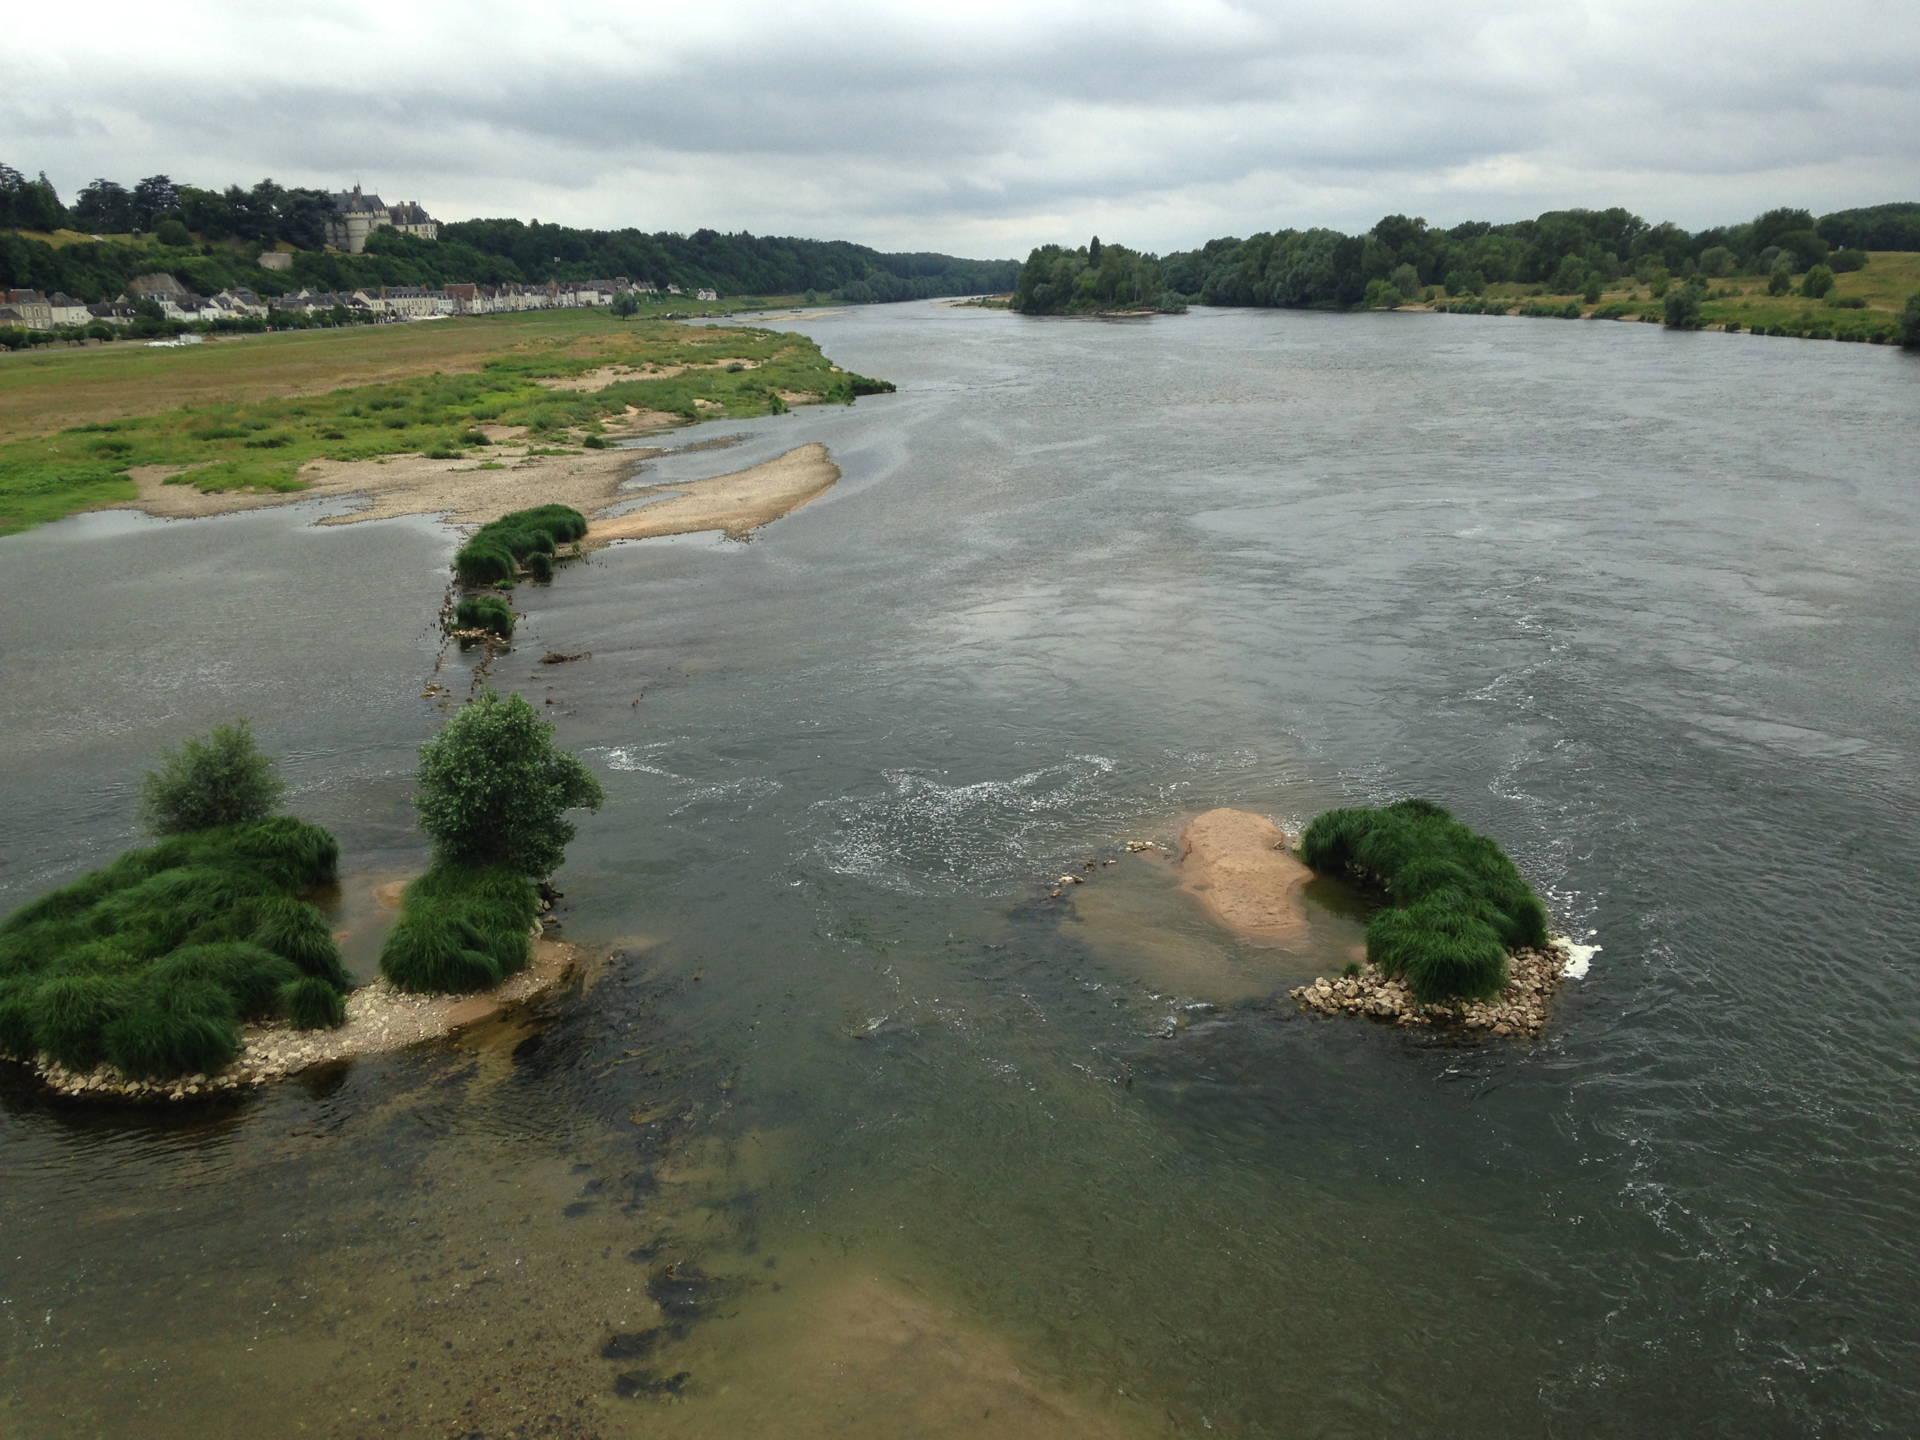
209,240
1094,279
1565,250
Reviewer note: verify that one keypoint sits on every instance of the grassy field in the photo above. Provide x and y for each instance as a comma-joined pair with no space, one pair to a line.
1742,300
248,414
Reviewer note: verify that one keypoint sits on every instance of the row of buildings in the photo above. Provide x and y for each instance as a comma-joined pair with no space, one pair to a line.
31,310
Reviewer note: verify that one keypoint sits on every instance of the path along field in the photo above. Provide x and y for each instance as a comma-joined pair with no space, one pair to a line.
88,429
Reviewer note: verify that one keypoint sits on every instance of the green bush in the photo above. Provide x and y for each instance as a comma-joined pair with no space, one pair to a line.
1681,310
180,1032
493,790
461,928
1456,903
221,780
595,442
1909,329
487,612
540,566
296,932
1817,282
67,1014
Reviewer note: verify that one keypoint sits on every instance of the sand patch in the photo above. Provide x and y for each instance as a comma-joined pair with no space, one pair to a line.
605,375
1240,867
859,1355
736,504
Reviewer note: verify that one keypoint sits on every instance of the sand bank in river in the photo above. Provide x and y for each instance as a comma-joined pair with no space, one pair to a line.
736,503
1241,868
466,493
379,1019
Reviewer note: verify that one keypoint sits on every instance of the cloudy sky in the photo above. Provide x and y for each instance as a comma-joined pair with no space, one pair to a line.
983,128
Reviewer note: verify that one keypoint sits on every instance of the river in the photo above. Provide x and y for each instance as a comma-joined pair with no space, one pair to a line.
900,1145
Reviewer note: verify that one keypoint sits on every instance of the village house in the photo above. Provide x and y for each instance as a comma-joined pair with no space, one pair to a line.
67,310
706,294
32,308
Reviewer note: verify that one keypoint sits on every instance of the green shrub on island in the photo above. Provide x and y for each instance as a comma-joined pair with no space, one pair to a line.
493,795
494,789
152,962
494,552
489,612
221,780
1456,904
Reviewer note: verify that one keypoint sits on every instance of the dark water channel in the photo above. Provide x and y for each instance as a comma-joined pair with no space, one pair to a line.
848,1119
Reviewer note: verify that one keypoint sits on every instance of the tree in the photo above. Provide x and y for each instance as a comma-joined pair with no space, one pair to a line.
493,789
1818,281
1592,293
1406,280
1843,261
1909,331
171,232
103,207
1717,261
1780,279
153,199
1093,253
1682,310
625,305
221,780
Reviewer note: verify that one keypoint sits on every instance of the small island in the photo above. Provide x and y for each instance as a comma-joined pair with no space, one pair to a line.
1461,939
201,964
1097,281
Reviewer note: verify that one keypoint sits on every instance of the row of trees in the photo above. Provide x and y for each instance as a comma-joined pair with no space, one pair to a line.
1569,251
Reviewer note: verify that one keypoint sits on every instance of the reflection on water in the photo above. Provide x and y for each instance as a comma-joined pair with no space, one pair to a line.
871,1136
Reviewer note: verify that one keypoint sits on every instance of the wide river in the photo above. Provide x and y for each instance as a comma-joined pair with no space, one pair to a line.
899,1145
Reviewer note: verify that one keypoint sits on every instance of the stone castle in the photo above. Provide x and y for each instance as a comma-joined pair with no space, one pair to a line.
356,216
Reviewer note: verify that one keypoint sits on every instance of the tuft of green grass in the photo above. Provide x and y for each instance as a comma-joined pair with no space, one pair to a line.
494,552
312,1004
461,928
1456,903
485,612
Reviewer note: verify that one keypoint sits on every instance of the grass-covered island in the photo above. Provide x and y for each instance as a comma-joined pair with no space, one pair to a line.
200,964
522,544
152,964
1461,937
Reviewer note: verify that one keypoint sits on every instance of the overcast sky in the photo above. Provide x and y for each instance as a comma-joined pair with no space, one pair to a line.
985,128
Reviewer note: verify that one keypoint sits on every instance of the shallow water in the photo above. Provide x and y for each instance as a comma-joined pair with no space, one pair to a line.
955,1159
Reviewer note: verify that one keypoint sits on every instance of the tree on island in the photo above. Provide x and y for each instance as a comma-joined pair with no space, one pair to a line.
221,780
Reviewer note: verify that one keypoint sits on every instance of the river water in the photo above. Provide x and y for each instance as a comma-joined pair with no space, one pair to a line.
897,1144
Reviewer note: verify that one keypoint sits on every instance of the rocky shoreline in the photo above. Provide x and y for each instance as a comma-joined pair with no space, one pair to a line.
380,1019
1522,1008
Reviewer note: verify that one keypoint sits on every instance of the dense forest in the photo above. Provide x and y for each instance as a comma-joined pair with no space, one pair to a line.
1566,250
210,240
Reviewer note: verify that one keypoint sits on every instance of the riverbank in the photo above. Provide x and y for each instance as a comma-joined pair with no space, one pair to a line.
380,1019
556,397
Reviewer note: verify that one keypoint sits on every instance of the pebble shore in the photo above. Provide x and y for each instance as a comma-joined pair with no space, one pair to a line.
1521,1008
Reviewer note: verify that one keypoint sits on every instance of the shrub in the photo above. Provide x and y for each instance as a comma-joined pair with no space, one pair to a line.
1456,902
1842,261
221,780
540,566
487,612
1817,282
1909,328
1780,278
312,1004
249,975
1682,308
595,442
474,437
493,790
1591,293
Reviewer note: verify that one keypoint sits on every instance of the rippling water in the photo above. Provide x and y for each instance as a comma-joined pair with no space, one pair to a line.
1641,605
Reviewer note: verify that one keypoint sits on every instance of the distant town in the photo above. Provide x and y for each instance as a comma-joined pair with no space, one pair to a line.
355,217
